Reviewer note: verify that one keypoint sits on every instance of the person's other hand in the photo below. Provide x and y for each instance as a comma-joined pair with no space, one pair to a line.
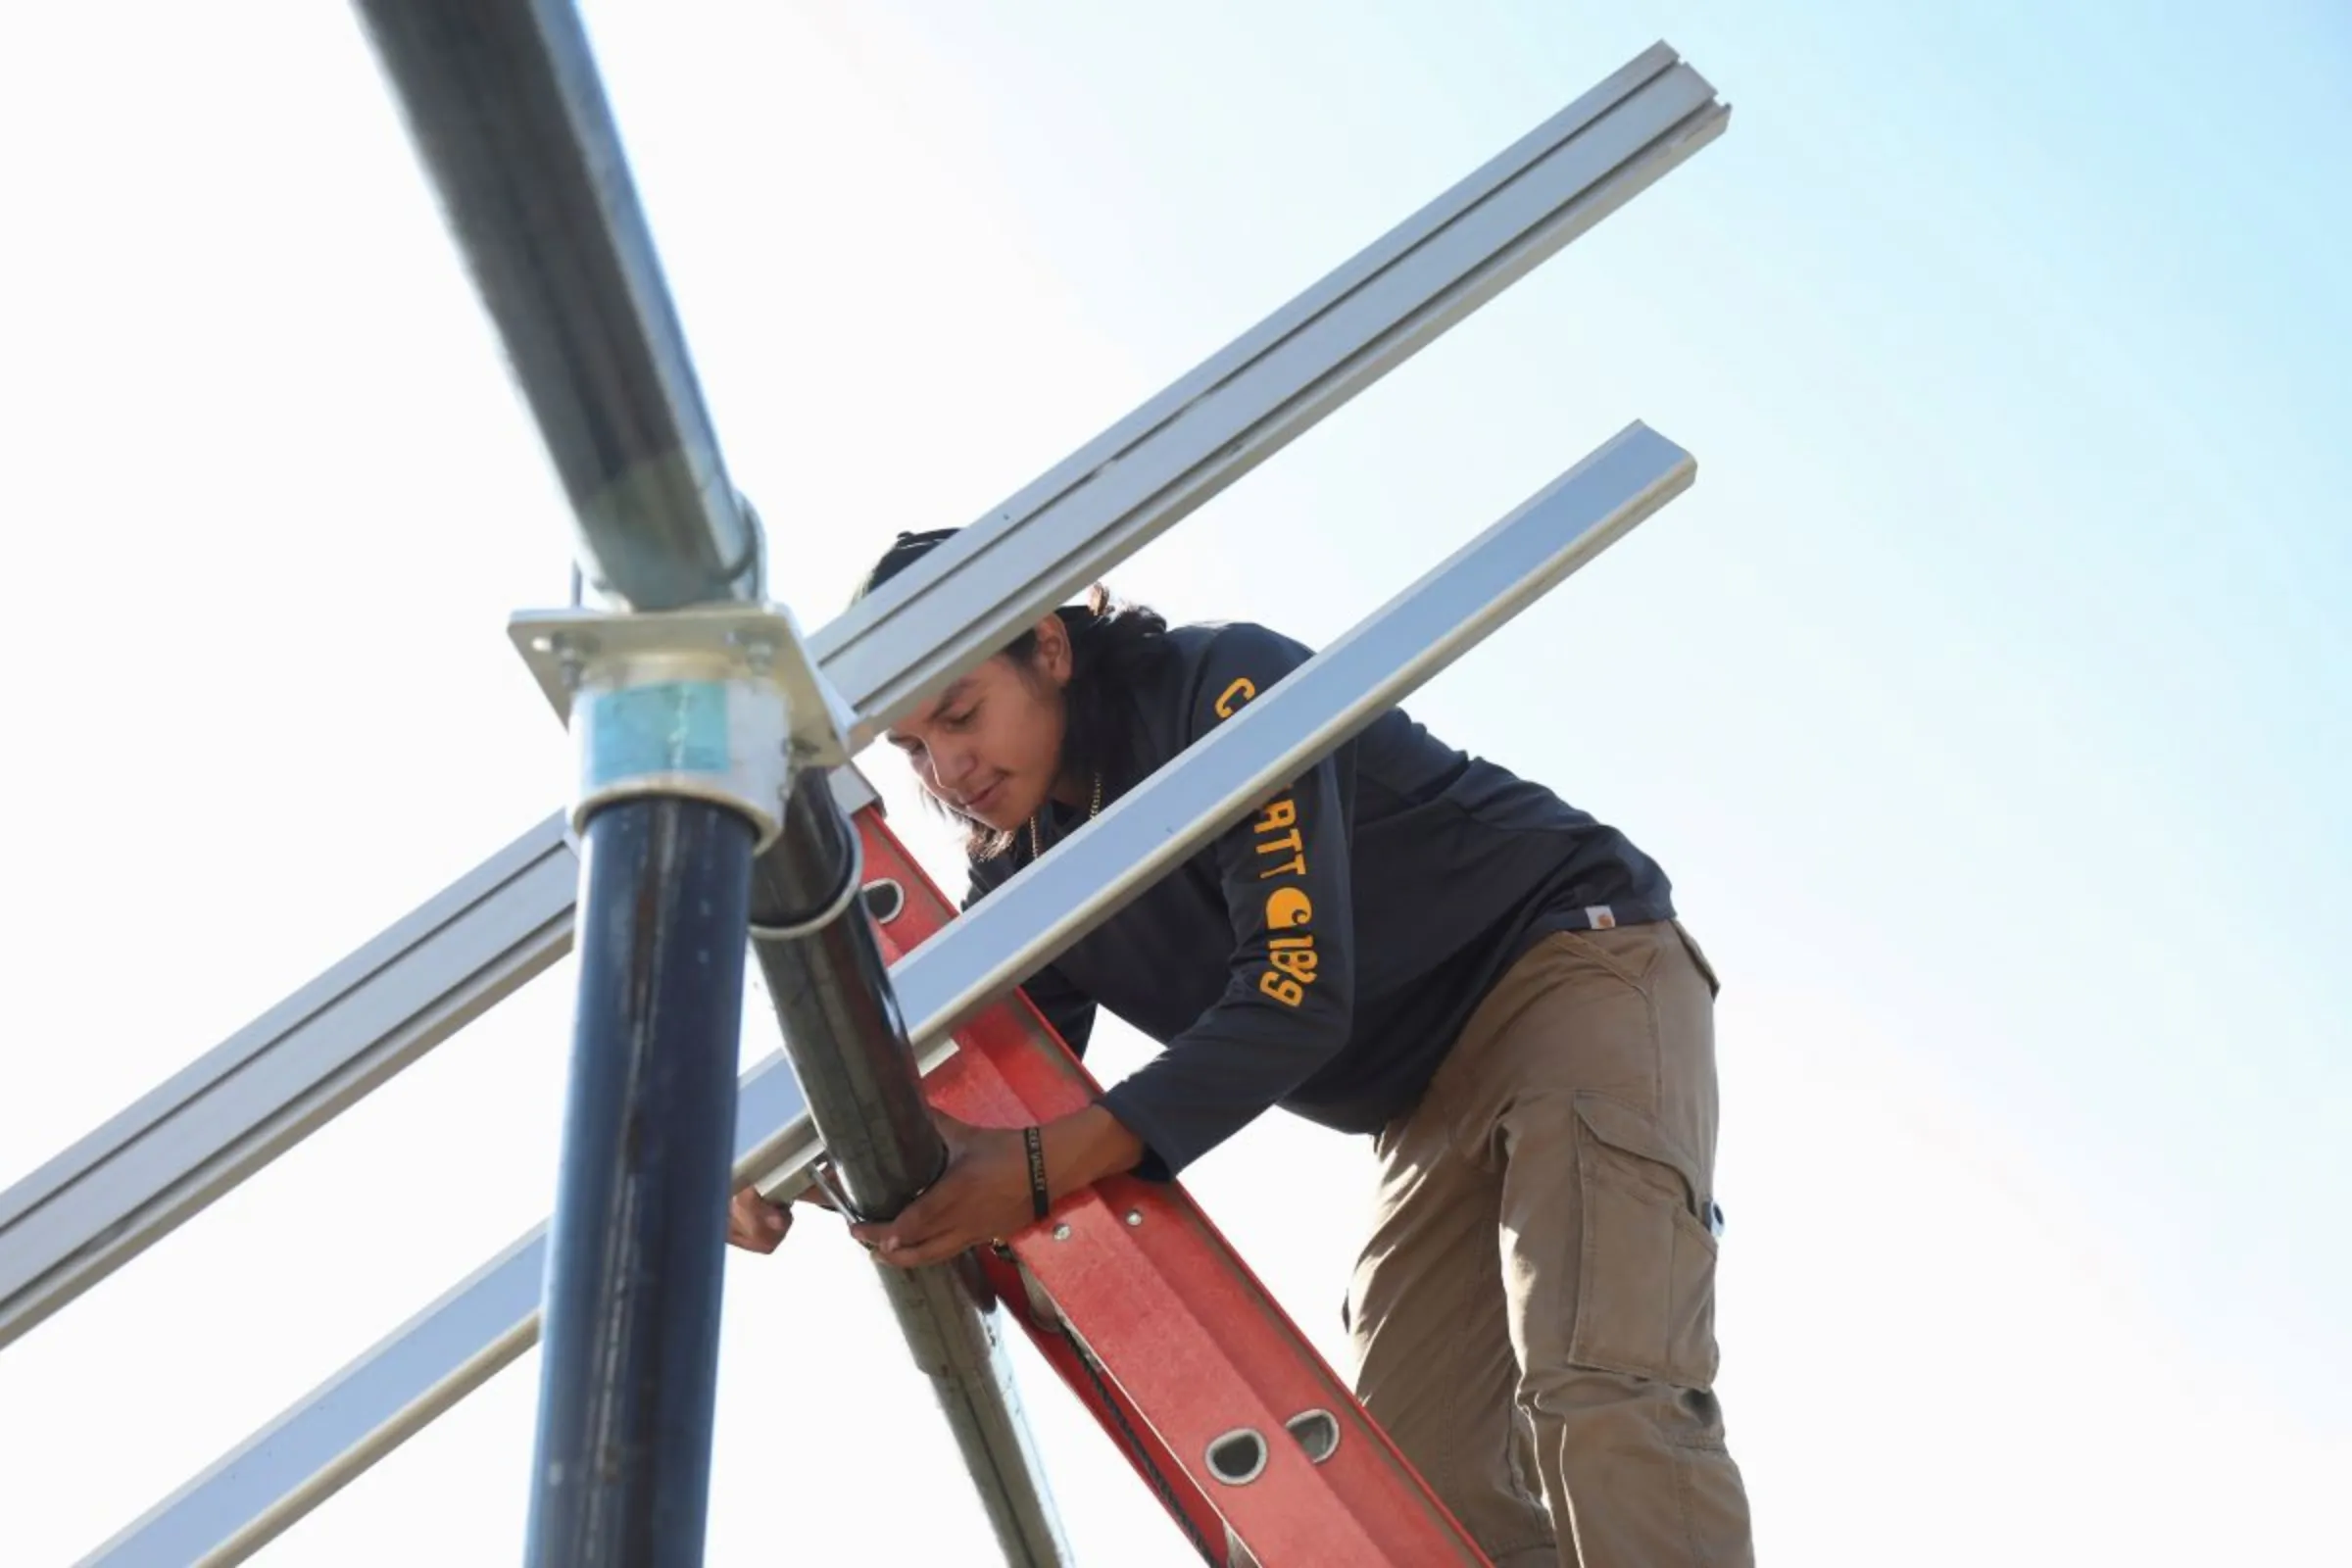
754,1224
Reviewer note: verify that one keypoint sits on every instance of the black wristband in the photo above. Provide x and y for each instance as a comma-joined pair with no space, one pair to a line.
1039,1199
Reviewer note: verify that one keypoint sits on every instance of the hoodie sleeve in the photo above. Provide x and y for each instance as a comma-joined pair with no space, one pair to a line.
1289,998
1070,1011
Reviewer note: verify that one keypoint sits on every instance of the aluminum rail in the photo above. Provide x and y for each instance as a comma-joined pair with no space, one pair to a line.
502,101
146,1172
970,596
104,1200
137,1177
462,1340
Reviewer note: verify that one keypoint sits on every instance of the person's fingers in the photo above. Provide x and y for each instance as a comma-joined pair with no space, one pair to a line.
756,1224
919,1220
932,1230
924,1253
939,1243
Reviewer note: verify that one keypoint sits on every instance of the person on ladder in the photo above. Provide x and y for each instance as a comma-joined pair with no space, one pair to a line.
1413,944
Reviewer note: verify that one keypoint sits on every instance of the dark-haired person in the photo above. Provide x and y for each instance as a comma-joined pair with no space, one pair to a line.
1407,943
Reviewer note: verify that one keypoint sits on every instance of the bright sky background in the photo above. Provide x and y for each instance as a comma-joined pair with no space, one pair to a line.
1987,698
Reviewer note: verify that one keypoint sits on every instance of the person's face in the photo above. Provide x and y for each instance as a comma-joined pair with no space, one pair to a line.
988,747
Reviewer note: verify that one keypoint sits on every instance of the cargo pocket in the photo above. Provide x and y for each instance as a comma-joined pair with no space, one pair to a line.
1645,1281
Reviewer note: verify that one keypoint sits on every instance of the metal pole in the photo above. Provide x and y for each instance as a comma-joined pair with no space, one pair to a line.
834,1004
504,102
680,775
848,1047
635,1258
506,107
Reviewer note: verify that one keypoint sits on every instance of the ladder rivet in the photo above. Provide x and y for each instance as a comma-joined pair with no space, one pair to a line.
1061,1232
1135,1216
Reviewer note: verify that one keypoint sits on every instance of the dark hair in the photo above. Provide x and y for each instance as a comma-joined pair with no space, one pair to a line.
1112,645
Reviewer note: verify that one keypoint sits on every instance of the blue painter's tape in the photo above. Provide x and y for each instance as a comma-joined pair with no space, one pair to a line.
672,727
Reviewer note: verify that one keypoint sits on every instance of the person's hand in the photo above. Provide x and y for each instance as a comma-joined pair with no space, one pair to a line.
754,1224
983,1196
757,1225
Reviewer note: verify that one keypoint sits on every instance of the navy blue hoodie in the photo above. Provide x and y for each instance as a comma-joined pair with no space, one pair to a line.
1324,953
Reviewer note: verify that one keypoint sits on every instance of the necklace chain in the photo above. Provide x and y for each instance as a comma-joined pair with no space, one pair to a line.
1037,851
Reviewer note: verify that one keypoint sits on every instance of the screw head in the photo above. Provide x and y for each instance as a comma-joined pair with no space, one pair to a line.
570,659
1135,1216
1061,1232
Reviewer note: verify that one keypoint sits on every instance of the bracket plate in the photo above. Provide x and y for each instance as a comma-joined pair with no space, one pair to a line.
752,642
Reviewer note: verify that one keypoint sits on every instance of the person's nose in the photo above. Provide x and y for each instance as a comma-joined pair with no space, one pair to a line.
953,766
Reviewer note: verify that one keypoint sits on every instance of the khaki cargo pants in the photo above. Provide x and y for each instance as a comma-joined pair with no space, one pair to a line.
1533,1316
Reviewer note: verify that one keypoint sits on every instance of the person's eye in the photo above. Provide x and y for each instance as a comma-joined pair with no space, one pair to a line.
963,719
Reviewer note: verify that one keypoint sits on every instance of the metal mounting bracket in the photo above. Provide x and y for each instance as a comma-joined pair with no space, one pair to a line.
717,701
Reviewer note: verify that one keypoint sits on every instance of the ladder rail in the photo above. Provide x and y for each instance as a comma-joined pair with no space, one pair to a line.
1251,1443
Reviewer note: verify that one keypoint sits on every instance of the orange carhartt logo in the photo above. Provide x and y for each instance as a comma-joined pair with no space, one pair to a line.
1290,959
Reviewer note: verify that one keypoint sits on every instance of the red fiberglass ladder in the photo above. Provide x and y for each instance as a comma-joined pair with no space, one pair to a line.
1249,1439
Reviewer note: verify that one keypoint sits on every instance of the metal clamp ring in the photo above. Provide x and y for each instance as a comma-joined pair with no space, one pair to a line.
827,1182
852,885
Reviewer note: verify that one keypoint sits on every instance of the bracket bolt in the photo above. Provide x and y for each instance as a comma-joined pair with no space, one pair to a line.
568,663
757,650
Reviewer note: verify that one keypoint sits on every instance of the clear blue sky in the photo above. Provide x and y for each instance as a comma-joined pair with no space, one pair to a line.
1988,699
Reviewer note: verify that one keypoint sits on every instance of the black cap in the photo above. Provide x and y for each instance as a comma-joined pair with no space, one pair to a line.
903,552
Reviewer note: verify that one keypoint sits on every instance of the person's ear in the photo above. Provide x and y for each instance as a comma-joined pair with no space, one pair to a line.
1053,648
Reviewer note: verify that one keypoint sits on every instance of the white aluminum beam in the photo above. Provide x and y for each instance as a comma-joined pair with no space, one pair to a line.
456,1344
144,1173
972,595
105,1200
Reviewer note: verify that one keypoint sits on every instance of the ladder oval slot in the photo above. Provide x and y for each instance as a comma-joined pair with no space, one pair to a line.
1238,1457
1317,1431
885,900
